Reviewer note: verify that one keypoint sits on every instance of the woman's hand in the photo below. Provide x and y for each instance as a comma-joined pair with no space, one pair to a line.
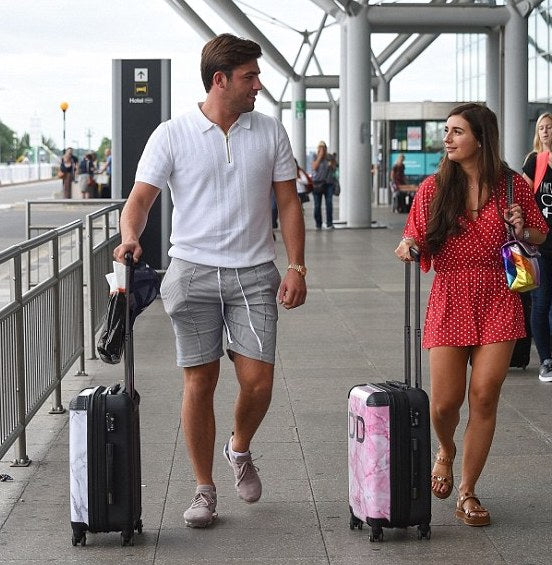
403,250
514,216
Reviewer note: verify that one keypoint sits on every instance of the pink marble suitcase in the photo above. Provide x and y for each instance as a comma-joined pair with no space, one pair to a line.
389,450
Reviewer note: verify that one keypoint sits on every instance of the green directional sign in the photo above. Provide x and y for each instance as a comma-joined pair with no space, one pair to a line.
300,109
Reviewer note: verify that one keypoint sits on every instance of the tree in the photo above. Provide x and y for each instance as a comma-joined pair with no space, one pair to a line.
105,144
7,148
22,146
50,144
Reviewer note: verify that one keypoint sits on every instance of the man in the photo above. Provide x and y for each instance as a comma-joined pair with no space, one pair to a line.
222,160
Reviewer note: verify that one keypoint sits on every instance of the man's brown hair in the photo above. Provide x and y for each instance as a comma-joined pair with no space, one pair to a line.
224,53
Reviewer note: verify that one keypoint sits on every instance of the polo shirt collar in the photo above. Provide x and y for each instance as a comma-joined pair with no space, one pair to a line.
204,123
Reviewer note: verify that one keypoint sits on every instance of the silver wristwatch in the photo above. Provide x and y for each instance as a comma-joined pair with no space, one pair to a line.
526,235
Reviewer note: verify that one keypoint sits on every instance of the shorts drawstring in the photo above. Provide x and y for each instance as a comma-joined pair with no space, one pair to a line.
222,308
248,313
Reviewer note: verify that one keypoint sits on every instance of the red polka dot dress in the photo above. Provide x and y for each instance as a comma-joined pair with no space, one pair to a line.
470,303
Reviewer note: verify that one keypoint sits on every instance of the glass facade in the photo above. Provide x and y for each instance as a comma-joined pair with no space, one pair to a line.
540,53
470,64
421,143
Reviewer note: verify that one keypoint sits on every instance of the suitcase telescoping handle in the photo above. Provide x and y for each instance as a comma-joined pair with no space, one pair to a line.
129,342
407,329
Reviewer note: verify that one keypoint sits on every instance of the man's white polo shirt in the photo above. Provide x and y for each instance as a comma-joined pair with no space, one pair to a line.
221,185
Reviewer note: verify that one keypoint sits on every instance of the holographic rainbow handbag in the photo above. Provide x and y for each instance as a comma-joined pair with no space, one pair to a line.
520,259
521,266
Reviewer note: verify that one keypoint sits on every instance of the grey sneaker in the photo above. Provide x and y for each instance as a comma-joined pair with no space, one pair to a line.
248,484
202,510
545,371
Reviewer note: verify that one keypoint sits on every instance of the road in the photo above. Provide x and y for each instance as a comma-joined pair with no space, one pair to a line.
12,210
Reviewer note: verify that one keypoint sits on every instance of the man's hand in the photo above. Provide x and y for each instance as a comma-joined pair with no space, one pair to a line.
121,250
293,290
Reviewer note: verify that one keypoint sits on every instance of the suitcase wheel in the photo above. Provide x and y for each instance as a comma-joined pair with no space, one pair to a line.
127,539
139,526
376,534
355,522
424,531
76,539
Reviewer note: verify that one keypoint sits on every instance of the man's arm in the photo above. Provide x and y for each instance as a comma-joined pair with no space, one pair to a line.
293,290
134,218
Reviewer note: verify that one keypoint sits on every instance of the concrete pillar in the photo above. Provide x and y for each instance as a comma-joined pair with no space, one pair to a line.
343,145
515,89
493,73
359,155
334,128
298,120
381,188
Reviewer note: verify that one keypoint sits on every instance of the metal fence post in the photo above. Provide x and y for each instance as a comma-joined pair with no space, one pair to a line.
21,458
91,287
57,407
82,369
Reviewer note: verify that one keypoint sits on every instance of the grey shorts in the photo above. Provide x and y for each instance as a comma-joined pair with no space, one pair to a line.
204,302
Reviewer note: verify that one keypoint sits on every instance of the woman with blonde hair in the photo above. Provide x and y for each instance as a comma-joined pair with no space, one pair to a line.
458,223
537,171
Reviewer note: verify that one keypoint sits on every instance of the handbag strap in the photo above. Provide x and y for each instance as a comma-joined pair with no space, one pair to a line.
540,169
510,200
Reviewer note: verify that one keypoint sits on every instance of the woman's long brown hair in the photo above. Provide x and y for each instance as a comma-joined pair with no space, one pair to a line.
449,203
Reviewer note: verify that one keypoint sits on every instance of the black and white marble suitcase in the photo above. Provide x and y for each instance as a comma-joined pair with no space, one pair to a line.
104,455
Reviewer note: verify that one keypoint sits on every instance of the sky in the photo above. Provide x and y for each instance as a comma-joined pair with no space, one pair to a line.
54,51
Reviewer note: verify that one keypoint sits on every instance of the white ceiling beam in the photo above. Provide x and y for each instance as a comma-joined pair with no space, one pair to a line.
331,8
416,18
231,14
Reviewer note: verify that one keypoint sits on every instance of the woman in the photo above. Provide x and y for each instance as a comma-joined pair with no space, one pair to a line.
457,221
87,169
67,169
542,296
323,178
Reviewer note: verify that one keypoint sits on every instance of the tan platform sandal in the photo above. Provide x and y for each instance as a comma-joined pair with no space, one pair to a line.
474,516
440,480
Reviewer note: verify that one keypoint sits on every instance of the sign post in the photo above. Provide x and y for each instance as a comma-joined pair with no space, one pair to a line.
141,101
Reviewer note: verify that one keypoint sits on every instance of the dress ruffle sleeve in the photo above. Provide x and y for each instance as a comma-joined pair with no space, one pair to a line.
524,196
417,220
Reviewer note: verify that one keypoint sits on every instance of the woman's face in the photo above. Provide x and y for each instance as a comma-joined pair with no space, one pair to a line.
545,131
460,143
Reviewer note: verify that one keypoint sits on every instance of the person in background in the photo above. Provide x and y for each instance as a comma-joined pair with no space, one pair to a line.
458,223
303,184
106,189
541,297
222,277
397,172
323,179
67,167
86,176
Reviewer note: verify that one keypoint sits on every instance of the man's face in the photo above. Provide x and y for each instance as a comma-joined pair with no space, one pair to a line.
242,87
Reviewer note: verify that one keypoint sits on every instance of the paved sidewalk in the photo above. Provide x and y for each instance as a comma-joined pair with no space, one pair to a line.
349,332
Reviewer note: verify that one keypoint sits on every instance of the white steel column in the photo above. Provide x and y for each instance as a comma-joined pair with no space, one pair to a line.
516,89
298,120
343,133
334,128
359,155
493,74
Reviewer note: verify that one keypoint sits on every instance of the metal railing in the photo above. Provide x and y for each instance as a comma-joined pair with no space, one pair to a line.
41,328
102,235
42,313
102,232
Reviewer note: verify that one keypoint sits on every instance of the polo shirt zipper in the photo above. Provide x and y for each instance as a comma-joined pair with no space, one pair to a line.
227,147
